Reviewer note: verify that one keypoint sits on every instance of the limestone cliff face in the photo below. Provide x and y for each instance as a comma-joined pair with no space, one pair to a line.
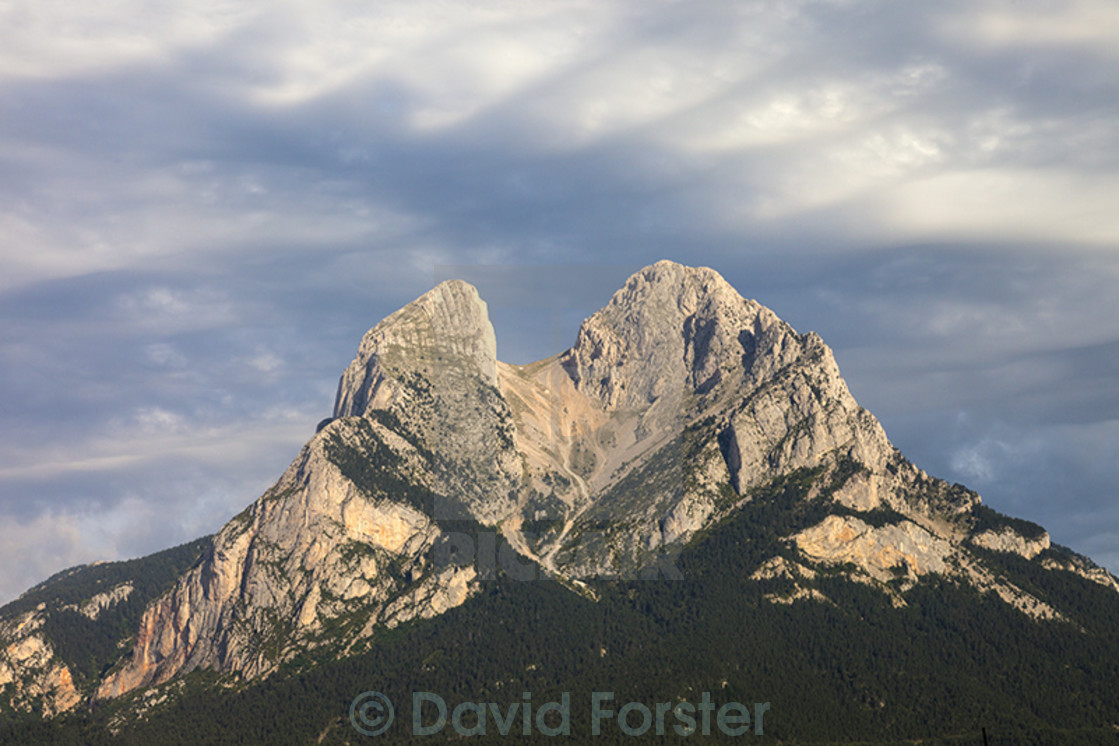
96,604
444,335
679,403
897,555
1085,568
885,552
432,365
315,548
32,679
1008,540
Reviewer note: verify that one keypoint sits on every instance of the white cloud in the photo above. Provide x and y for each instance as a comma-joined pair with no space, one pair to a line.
266,362
158,421
160,481
973,464
52,38
810,112
154,434
1075,25
32,550
165,355
1007,204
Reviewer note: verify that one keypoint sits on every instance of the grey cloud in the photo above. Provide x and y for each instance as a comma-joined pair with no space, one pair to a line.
129,512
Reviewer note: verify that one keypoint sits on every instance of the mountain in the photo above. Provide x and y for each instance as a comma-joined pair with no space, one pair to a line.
691,468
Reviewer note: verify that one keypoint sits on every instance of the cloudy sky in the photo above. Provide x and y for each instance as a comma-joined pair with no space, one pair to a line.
204,205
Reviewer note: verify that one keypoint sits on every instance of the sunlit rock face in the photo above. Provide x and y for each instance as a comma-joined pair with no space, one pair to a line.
32,678
1008,540
679,403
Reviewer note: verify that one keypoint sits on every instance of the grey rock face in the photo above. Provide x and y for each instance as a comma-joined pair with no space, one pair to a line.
670,331
92,608
717,396
432,367
444,335
319,546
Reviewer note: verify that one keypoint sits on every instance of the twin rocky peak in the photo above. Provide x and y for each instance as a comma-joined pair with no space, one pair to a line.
678,402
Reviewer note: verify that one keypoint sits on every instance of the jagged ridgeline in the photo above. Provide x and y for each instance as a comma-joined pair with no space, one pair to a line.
700,506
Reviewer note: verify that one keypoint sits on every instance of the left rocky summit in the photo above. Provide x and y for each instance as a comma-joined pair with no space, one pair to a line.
342,544
338,547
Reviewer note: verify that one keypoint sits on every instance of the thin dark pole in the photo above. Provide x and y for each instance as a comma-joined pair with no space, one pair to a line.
984,737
